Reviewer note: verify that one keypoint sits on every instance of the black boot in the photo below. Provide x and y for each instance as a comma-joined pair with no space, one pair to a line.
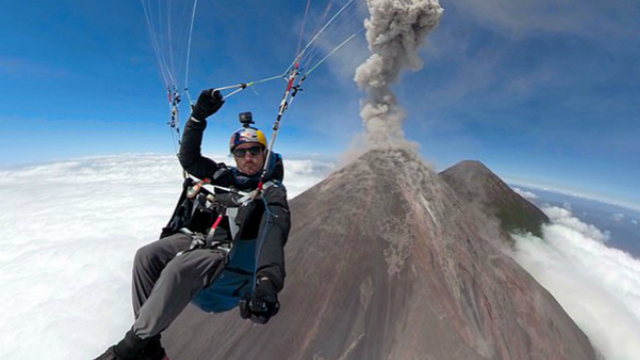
153,350
108,355
127,349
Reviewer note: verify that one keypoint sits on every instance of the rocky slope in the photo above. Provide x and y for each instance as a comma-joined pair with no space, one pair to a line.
479,188
384,262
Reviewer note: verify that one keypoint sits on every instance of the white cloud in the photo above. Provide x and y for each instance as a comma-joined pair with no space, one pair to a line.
303,174
634,222
598,286
617,217
24,67
526,17
564,217
69,231
525,194
599,197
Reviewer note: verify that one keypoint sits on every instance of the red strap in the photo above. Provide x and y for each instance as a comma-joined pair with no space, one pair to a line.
215,224
293,77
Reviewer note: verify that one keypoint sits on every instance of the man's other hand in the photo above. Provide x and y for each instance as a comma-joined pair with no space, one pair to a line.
262,305
209,102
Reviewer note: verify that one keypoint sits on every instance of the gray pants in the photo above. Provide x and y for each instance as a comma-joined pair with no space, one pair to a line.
164,284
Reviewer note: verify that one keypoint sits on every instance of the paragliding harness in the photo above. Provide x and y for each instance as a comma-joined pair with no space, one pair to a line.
200,213
197,207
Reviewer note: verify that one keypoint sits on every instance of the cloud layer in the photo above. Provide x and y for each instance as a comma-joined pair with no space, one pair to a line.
526,194
69,231
598,286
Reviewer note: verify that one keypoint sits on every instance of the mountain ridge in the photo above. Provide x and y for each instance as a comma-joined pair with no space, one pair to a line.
478,187
385,263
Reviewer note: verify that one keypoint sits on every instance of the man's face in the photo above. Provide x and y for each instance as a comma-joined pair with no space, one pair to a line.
248,163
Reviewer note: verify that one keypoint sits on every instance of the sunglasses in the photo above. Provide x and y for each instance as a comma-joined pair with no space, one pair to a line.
254,150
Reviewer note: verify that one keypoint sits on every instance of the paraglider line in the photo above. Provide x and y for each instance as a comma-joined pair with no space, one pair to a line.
304,22
317,35
334,50
324,17
169,26
243,86
186,73
154,41
330,33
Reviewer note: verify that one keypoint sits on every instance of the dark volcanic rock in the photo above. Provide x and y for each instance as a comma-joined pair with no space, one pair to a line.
476,186
383,263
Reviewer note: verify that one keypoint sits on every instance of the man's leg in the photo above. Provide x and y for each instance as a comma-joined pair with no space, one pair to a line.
149,262
179,283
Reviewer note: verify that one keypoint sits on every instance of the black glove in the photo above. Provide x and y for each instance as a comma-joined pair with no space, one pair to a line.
208,103
262,305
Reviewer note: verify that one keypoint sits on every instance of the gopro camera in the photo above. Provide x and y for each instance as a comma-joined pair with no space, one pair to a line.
246,118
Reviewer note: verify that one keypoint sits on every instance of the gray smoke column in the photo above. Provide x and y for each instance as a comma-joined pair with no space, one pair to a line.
395,31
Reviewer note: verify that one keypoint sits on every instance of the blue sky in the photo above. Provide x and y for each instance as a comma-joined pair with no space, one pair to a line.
542,92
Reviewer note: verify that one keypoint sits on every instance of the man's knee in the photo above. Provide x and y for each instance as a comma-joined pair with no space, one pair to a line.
147,255
160,252
195,265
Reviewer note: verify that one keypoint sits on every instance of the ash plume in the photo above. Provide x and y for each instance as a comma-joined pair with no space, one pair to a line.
395,31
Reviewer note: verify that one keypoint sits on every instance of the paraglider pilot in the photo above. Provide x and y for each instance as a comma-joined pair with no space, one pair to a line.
220,249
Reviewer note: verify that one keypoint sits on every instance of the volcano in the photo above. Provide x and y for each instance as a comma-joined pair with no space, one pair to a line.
385,261
479,188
